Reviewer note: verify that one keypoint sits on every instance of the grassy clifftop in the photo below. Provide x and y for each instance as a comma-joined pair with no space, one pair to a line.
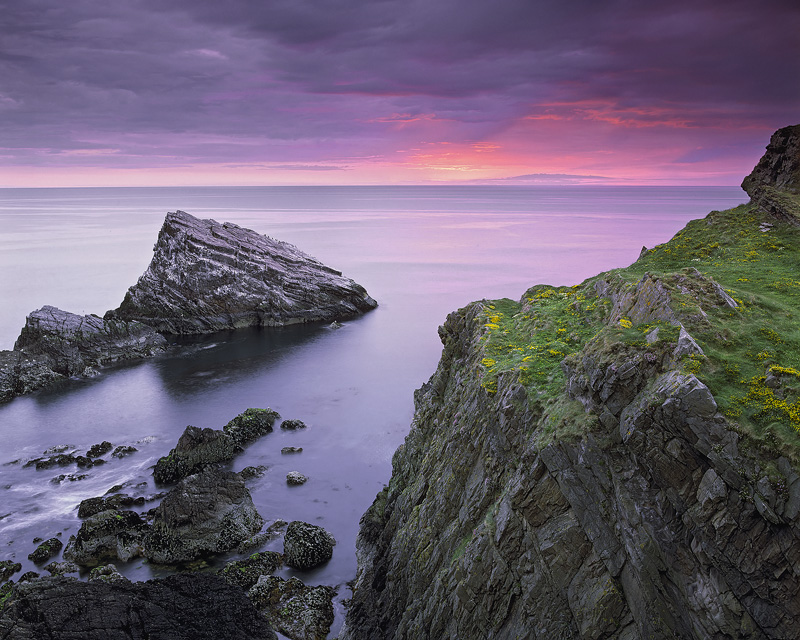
732,280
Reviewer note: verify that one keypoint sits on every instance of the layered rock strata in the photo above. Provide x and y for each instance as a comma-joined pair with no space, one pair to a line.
208,276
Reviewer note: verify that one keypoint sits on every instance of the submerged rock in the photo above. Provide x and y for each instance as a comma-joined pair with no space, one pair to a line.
180,607
70,344
209,512
306,546
206,276
295,610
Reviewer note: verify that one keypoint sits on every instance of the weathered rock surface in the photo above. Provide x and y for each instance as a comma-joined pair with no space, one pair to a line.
245,573
8,568
45,551
107,535
306,546
209,512
774,184
70,344
295,610
180,607
92,506
196,450
206,276
21,373
250,425
650,525
295,478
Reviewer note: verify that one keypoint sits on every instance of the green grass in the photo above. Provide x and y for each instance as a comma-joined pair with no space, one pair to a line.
752,352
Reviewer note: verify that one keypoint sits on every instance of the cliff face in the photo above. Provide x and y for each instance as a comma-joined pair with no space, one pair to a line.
774,183
612,460
206,276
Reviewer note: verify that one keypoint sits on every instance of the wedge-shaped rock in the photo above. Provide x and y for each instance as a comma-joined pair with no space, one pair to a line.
206,276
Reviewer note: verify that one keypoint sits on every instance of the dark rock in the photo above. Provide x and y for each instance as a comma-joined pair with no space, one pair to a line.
91,506
21,373
59,448
295,610
8,568
248,473
123,450
107,535
251,425
245,573
97,450
293,424
206,276
306,546
70,343
59,460
107,573
180,607
60,568
29,576
774,183
205,513
287,450
295,478
72,477
46,550
196,450
85,462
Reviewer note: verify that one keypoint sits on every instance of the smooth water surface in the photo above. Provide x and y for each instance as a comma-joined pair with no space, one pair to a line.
420,251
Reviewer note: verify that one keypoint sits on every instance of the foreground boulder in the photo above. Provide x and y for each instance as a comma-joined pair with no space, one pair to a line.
180,607
245,573
196,450
306,546
107,535
71,344
295,610
209,512
206,276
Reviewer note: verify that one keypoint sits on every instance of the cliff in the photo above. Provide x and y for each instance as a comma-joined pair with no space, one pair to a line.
614,460
206,276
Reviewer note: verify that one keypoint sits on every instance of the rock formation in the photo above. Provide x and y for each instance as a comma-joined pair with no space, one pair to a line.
206,276
570,473
180,607
294,609
774,184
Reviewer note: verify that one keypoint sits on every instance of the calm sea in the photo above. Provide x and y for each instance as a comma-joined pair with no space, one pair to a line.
420,251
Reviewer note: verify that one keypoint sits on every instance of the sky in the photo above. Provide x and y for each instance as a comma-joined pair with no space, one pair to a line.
262,92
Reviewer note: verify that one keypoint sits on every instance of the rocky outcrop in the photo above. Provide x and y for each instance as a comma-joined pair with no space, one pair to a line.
206,276
774,184
107,535
294,609
180,607
71,344
245,573
306,546
209,512
21,373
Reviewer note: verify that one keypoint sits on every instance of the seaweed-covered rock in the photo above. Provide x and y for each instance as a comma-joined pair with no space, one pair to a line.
107,573
295,610
292,425
61,568
196,450
250,425
306,546
46,550
179,607
21,373
97,450
112,534
209,512
8,568
206,276
245,573
91,506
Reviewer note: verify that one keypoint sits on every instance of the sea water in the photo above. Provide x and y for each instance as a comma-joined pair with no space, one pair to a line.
421,252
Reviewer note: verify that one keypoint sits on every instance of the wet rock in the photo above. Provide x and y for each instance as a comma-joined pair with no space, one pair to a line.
85,462
21,373
29,576
245,573
61,568
107,573
291,425
107,535
58,460
180,607
196,450
71,477
46,550
59,448
206,276
260,539
306,546
70,343
295,610
248,473
209,512
288,450
295,478
250,425
123,450
91,506
8,568
97,450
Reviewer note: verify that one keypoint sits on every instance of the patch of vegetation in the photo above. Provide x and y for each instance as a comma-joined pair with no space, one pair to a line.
751,349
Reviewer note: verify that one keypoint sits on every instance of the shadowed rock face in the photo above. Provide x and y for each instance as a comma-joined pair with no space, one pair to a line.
206,276
181,607
774,183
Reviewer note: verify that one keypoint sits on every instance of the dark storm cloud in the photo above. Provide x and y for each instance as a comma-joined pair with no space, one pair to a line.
243,80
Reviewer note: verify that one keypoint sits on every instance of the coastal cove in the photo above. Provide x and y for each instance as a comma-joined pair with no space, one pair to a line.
420,251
